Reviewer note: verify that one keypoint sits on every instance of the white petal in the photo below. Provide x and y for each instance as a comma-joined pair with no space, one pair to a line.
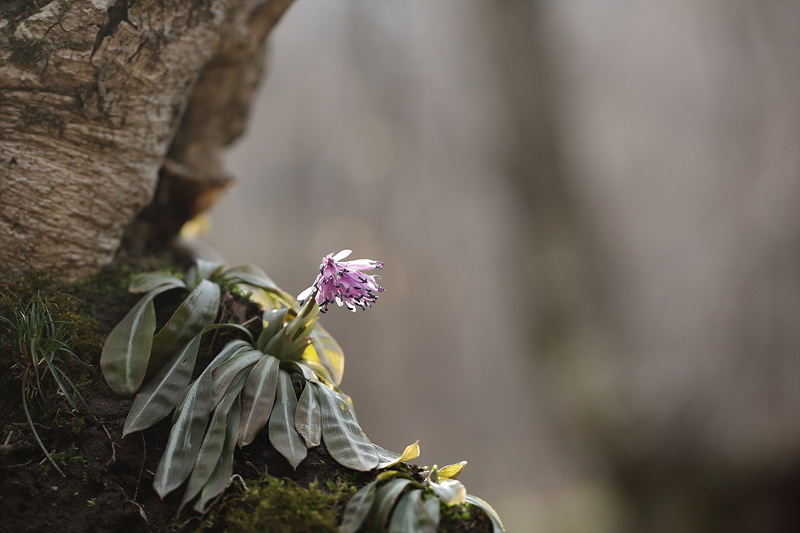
341,255
305,294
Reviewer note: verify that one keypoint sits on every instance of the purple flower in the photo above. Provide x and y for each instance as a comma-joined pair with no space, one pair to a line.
344,283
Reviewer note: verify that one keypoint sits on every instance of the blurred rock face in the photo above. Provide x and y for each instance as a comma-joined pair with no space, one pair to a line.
588,215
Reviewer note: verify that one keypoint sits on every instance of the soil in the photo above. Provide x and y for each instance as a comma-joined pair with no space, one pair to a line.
107,484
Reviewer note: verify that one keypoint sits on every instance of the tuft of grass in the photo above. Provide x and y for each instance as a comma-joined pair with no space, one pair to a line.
38,344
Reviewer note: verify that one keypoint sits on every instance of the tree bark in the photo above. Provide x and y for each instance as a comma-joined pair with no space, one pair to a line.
92,94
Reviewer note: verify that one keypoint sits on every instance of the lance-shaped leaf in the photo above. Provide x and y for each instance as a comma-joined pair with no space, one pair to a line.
185,437
159,397
451,471
388,458
282,434
308,417
213,441
197,311
450,491
358,508
410,514
221,476
258,397
224,374
231,349
497,524
148,281
127,348
251,275
385,500
433,506
343,437
202,269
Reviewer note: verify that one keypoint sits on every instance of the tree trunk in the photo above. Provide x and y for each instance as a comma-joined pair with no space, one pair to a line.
94,95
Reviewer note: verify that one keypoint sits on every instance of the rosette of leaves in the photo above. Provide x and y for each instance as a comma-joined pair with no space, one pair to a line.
395,502
248,386
133,349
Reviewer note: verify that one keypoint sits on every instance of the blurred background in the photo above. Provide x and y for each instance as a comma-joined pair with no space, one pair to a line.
588,211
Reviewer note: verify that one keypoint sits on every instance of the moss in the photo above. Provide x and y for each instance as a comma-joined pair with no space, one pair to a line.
274,505
25,52
38,115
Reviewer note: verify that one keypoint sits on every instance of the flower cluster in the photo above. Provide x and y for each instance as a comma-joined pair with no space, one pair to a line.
344,283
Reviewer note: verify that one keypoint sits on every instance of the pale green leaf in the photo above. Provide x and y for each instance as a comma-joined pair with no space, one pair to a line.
308,418
258,397
160,396
222,376
202,270
127,348
197,311
231,349
221,476
213,441
451,471
433,506
385,500
185,437
497,524
345,440
358,508
449,491
410,515
282,434
148,281
250,275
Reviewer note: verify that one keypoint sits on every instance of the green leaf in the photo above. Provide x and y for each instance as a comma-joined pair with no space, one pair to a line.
324,350
497,524
185,437
358,508
451,471
221,477
411,515
231,349
127,348
197,311
385,499
251,275
202,270
213,441
282,434
258,397
147,281
308,418
450,491
224,374
344,438
159,397
433,506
